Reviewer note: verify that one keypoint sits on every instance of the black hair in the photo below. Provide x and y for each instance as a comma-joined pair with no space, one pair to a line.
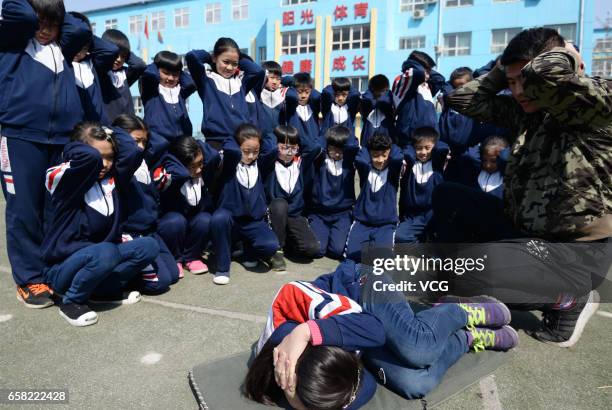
286,134
378,83
493,141
340,84
81,17
247,132
302,80
224,44
168,61
327,377
119,39
52,11
337,136
379,141
423,58
530,43
86,131
272,67
461,72
185,149
130,122
422,133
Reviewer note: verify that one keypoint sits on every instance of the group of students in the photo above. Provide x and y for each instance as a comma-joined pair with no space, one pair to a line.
104,206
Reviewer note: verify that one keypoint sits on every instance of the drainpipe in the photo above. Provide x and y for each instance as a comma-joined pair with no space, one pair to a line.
440,44
581,19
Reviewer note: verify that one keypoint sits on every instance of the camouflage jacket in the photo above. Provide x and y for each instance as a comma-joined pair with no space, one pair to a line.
559,175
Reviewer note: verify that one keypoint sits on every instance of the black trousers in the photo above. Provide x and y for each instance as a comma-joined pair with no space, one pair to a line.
302,241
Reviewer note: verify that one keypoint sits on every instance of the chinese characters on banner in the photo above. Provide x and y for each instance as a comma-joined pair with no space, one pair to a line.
340,13
339,63
287,67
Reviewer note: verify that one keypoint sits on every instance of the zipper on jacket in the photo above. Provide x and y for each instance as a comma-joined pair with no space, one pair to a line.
105,200
55,75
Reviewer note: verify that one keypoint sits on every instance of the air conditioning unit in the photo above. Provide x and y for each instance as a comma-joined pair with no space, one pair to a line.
418,14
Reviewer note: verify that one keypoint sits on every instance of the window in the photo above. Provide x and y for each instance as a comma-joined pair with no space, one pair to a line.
110,24
412,5
298,42
501,37
263,54
292,2
213,13
350,37
603,45
136,24
457,44
409,43
158,20
568,31
138,107
240,9
602,68
181,17
459,3
358,83
93,28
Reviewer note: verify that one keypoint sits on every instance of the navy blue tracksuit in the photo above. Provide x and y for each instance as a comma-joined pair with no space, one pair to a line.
375,211
333,114
303,118
416,189
39,107
377,115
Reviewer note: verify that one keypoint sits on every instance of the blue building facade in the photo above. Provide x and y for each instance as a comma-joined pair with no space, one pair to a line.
349,38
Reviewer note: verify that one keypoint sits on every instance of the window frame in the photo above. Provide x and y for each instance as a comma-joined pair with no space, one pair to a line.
497,48
184,14
158,20
213,8
240,5
297,47
362,42
412,39
457,49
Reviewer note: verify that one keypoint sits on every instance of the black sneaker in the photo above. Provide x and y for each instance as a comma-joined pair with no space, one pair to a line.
123,298
78,315
277,262
35,295
564,327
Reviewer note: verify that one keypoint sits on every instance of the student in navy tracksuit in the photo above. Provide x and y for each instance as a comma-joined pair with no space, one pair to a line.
182,178
339,105
425,161
379,166
82,249
285,181
377,112
310,352
241,202
413,101
39,107
333,191
273,94
164,88
486,172
141,210
302,106
97,53
223,80
116,82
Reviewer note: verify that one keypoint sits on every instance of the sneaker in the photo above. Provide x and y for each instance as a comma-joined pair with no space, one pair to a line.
35,295
501,339
196,267
180,268
124,298
78,315
250,264
221,278
564,327
485,311
277,262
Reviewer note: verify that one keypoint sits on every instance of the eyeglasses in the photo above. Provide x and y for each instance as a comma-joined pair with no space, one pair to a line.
289,149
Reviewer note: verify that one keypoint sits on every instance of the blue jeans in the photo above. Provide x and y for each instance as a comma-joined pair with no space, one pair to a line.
420,347
105,268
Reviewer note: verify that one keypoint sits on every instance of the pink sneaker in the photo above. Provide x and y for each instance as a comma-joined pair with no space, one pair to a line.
180,268
197,267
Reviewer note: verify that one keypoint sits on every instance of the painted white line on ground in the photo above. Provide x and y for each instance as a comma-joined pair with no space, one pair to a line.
5,318
214,312
151,358
604,314
490,398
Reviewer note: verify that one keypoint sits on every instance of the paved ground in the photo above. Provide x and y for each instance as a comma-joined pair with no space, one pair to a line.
138,356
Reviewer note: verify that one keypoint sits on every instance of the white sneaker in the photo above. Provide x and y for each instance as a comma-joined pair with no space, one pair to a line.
221,279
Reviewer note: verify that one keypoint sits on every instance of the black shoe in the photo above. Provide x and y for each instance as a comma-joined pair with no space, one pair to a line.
122,298
277,262
35,295
564,327
78,315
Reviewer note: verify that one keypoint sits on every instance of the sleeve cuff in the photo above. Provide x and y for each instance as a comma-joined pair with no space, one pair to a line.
315,333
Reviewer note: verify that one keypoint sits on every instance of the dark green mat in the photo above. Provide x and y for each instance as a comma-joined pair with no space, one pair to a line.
216,385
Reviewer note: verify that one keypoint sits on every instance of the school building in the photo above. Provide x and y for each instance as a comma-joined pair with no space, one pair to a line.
349,38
